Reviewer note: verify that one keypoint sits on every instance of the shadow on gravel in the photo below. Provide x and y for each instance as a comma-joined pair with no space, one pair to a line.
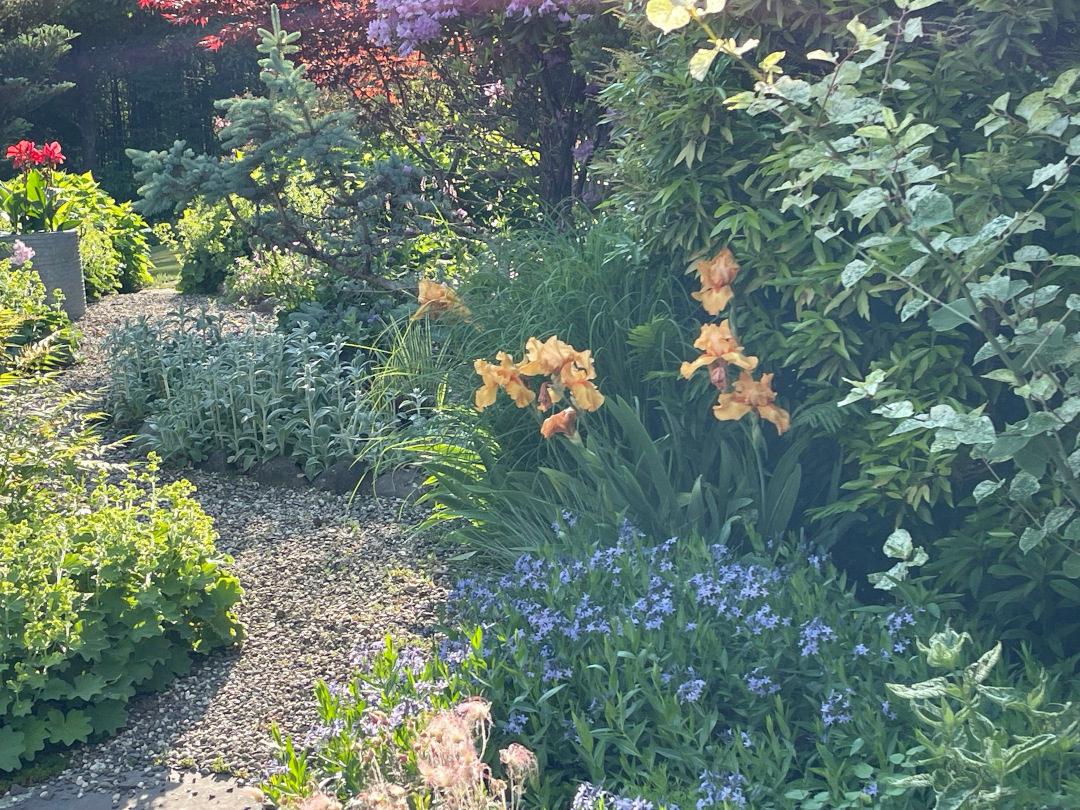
192,793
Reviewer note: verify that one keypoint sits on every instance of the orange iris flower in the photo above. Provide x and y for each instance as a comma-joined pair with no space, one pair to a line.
437,298
564,422
716,276
568,369
504,375
752,395
719,346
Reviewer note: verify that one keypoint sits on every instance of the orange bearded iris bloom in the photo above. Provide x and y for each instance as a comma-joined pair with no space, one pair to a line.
719,346
716,276
437,298
504,375
752,395
568,369
564,422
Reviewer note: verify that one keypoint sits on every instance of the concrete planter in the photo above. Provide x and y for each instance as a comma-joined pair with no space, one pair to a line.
56,259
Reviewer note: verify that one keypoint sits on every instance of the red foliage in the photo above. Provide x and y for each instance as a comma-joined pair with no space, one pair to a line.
334,44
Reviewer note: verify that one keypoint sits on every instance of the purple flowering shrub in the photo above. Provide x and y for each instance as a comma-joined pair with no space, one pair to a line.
410,24
689,674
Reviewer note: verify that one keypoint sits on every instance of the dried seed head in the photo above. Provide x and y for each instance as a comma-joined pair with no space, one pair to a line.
320,801
475,711
520,762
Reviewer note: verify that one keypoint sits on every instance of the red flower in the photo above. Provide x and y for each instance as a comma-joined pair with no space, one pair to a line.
51,154
22,153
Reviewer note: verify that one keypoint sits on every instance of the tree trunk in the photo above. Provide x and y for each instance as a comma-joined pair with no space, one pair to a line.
562,95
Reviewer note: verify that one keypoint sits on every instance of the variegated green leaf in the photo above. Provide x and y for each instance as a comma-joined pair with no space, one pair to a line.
933,688
980,670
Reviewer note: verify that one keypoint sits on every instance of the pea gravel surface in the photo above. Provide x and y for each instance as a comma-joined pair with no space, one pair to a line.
322,577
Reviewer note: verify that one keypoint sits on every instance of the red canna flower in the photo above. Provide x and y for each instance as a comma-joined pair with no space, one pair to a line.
21,153
51,154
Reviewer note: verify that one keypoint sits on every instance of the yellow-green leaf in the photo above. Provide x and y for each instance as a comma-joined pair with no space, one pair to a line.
667,16
701,61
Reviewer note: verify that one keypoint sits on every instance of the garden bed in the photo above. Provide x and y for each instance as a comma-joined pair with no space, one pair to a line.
321,576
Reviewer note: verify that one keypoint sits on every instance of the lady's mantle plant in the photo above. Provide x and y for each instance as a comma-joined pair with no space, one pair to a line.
924,230
105,589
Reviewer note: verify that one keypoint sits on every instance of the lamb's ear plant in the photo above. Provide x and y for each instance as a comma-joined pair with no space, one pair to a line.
256,396
924,230
988,746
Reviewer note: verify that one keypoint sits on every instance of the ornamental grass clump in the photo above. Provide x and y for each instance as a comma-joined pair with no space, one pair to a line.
684,672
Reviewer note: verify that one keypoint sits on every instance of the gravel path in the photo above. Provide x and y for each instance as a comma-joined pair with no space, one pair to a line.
320,576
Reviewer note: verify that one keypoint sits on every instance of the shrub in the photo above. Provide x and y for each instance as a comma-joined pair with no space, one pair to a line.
881,200
205,241
310,182
256,396
120,256
105,589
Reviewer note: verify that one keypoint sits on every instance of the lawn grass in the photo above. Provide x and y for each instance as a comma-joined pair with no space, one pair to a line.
166,270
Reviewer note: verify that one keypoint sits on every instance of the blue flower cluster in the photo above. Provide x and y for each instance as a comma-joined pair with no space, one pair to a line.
692,638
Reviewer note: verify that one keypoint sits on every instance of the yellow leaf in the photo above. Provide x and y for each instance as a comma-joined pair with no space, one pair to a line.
714,6
667,16
824,56
701,61
772,60
731,47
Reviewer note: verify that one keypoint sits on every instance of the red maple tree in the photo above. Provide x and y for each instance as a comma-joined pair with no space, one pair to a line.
335,46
